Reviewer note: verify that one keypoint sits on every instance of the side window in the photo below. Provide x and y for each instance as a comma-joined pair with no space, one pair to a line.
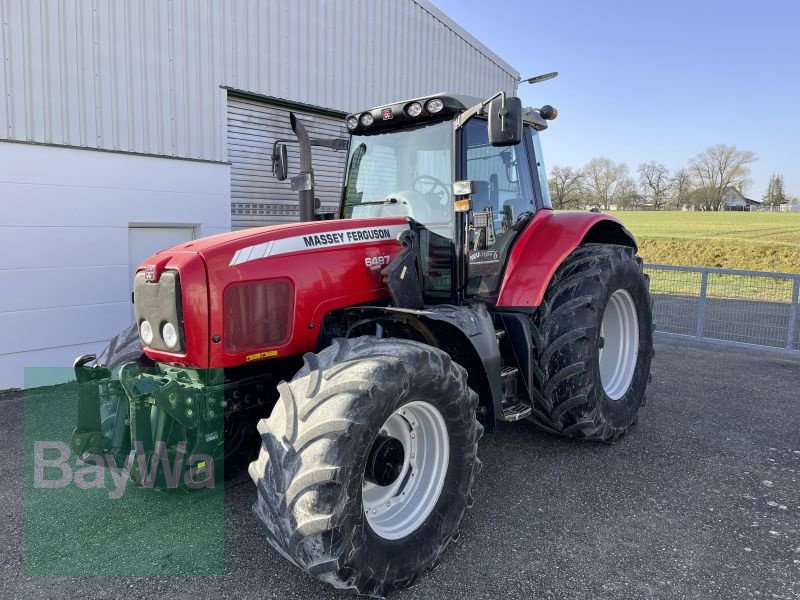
536,143
502,193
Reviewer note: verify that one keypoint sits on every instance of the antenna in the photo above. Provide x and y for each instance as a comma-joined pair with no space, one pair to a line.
541,78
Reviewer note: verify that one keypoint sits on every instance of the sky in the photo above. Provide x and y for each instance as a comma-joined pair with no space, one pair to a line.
644,80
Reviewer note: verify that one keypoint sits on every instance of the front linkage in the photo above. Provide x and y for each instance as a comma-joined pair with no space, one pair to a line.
171,417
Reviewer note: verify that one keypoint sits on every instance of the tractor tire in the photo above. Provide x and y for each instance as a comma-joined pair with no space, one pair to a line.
593,343
319,495
123,348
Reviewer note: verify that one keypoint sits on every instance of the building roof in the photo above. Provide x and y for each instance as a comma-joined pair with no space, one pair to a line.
439,15
741,195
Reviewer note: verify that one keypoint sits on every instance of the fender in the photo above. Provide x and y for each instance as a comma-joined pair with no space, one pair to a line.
466,333
544,244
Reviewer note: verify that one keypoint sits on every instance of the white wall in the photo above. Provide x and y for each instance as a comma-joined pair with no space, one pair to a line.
64,219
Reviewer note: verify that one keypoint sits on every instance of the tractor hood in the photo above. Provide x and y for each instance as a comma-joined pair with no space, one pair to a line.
234,241
260,293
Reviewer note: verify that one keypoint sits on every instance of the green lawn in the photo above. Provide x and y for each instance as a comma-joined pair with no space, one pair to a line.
728,240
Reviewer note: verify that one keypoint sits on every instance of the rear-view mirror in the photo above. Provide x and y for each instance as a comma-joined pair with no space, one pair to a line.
505,121
280,162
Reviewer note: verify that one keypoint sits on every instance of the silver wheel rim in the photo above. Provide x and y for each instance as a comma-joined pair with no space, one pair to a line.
620,350
398,509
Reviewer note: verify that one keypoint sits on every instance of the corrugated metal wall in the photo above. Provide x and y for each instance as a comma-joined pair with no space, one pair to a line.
257,198
145,75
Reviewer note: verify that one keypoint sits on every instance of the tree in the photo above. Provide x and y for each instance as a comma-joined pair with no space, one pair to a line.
780,194
603,180
716,170
769,195
775,195
566,187
654,182
681,188
627,194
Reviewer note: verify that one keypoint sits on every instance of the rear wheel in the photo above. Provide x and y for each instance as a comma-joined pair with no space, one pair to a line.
592,338
367,462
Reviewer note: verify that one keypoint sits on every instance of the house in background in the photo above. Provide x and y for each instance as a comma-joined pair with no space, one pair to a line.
733,199
792,206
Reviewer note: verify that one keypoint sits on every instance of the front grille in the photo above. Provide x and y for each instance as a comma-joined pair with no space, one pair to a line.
258,314
160,303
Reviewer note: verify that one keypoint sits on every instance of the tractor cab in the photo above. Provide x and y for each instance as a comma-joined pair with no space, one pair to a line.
468,181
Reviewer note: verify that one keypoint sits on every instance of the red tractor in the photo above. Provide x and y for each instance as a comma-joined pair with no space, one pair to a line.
357,360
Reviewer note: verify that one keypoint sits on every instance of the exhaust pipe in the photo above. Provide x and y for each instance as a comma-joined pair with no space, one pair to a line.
304,183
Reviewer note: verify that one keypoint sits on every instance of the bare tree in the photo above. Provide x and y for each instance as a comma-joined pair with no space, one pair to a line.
566,187
681,187
716,170
627,195
603,179
654,182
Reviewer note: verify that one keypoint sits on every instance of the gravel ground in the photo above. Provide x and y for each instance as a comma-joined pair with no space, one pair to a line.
701,500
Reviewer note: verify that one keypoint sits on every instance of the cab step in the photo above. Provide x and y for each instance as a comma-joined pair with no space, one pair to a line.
513,408
516,412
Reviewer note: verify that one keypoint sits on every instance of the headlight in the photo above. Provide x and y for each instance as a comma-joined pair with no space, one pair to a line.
414,109
146,332
169,335
366,119
352,123
435,105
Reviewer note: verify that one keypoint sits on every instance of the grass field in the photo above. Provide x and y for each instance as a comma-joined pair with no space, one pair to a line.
728,240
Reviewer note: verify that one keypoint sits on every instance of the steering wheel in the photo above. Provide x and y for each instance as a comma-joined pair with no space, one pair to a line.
436,188
432,185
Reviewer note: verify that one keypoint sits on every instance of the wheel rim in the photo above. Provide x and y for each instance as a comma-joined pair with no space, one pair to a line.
619,350
398,509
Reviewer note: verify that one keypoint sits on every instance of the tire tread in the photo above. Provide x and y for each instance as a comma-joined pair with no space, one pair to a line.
562,331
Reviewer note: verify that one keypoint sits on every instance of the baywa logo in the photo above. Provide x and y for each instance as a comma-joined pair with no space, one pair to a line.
149,469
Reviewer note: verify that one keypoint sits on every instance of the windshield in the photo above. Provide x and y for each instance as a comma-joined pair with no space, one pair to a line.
408,172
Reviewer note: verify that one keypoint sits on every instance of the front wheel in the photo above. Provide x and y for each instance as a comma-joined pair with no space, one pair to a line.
593,343
367,462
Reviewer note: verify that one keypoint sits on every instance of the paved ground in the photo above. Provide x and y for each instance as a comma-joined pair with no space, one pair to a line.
701,500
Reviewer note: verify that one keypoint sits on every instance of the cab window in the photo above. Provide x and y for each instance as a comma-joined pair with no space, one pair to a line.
408,172
502,196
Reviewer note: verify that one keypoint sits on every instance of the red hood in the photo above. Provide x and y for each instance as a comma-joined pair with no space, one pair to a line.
230,243
329,265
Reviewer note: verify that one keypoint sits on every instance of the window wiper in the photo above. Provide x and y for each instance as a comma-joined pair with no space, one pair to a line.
384,201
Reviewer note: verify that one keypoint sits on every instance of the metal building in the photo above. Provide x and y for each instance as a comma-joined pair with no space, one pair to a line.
127,126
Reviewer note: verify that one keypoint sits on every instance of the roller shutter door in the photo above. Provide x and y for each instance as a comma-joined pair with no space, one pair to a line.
257,198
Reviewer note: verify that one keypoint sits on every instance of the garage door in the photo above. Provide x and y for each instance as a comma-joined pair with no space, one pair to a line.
257,198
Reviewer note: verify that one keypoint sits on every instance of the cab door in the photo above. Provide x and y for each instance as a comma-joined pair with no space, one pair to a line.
504,197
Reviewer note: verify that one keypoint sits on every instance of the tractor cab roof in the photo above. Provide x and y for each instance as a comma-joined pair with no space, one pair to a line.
427,109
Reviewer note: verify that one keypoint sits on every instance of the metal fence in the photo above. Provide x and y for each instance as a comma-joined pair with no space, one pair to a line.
742,308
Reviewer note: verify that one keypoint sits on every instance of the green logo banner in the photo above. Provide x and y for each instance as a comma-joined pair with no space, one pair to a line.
120,509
